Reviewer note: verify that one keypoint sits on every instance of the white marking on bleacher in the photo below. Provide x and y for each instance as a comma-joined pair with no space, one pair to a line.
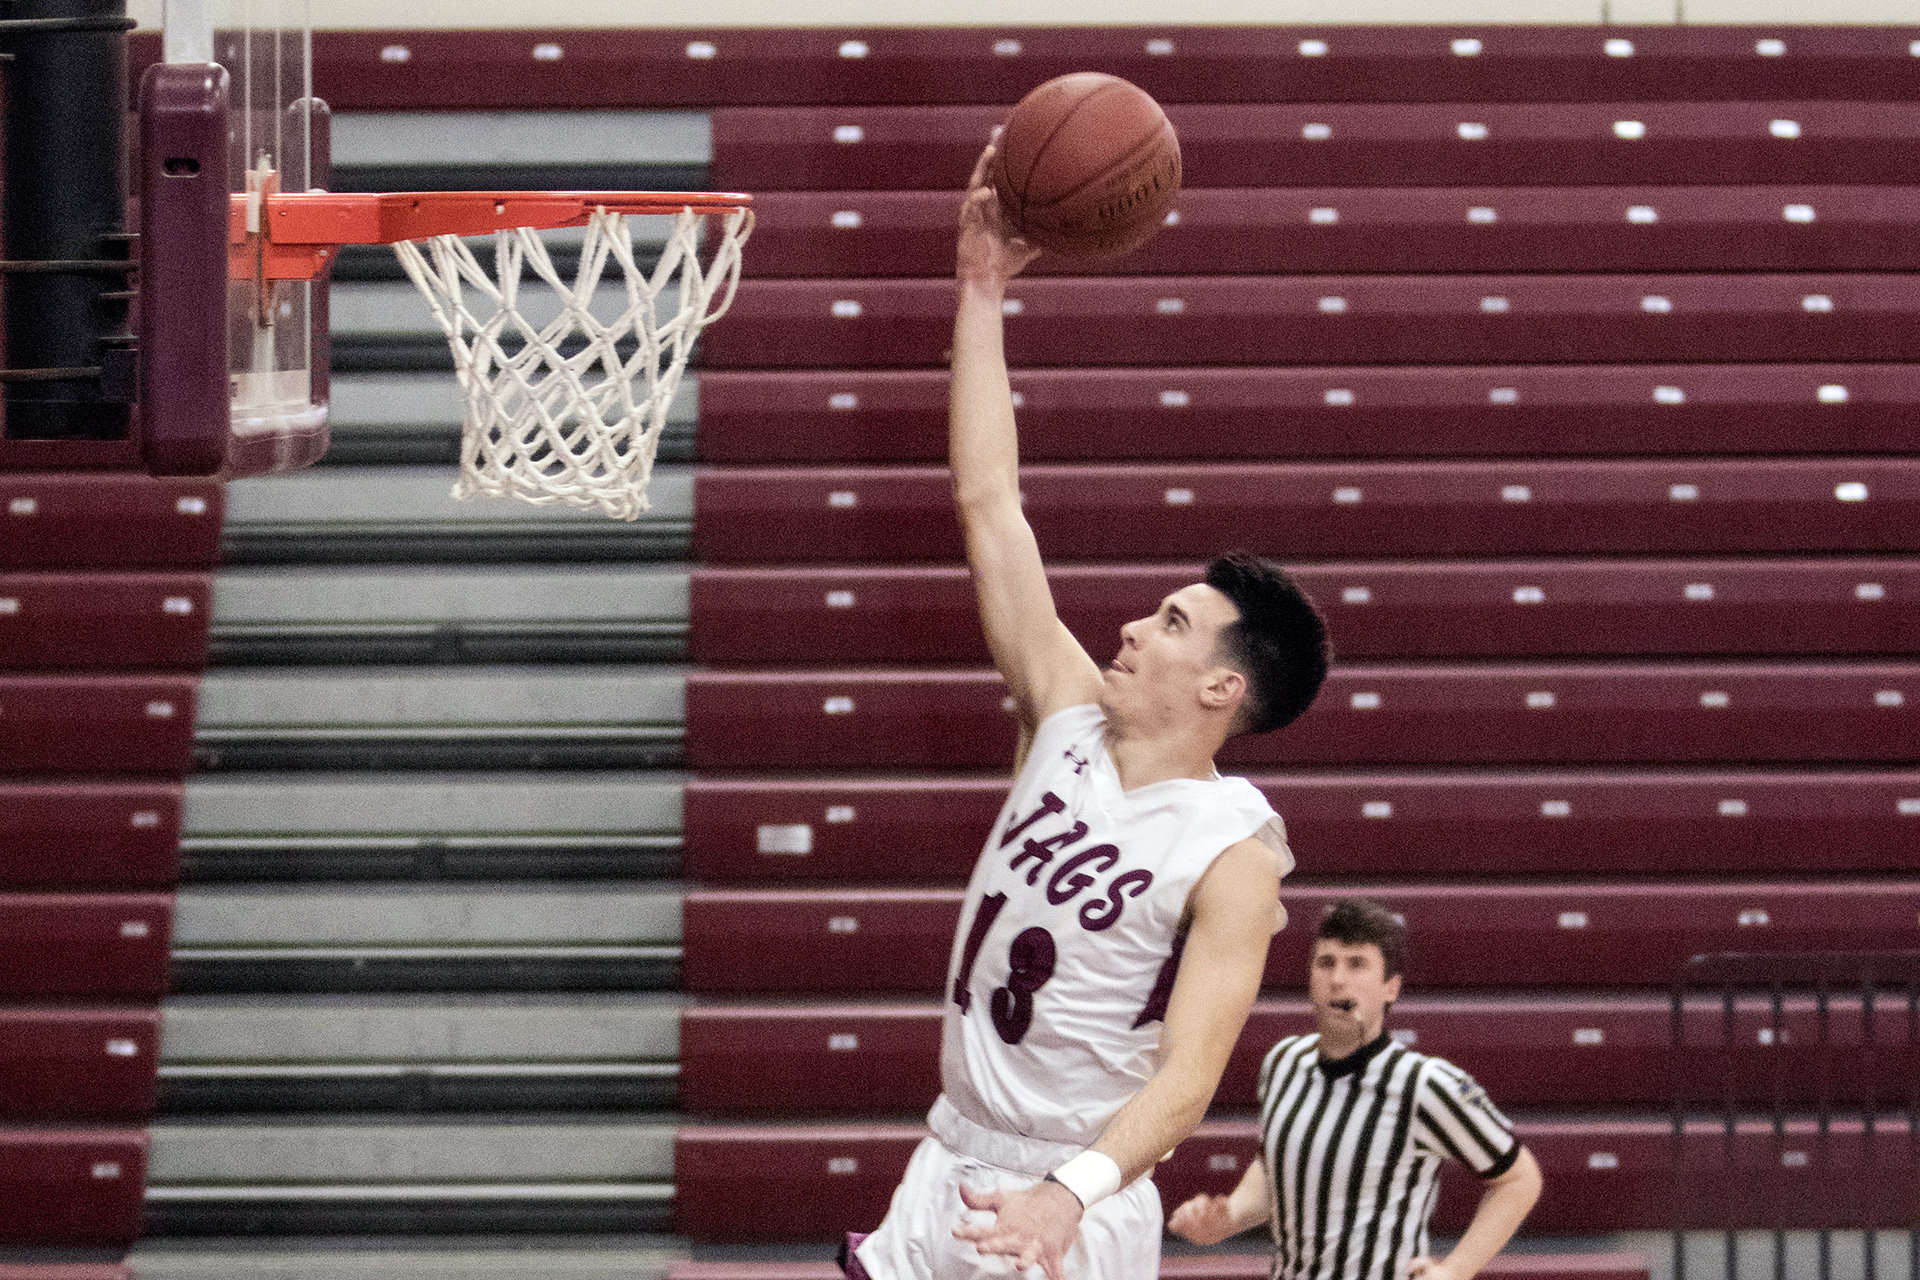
1589,1036
1466,47
846,309
1869,591
1179,497
1850,491
1642,214
548,53
1529,595
1602,1160
1698,591
843,924
1907,806
849,133
1788,129
1764,1035
1323,216
1794,1159
1753,918
1732,808
1515,493
843,498
1471,131
846,219
838,705
120,1048
840,814
1174,399
143,818
1832,393
1170,306
9,606
1483,215
22,507
1332,305
1503,395
1770,47
1683,493
1172,219
1377,809
1817,302
1020,402
1356,595
1669,395
1716,699
1339,397
396,53
1007,48
1573,920
1798,213
1347,494
1540,700
1368,701
159,710
1012,307
843,1164
1889,698
1313,48
1222,1162
1494,305
1406,1035
135,929
853,48
1160,47
843,400
840,599
843,1042
701,50
106,1170
1316,132
1009,704
1617,48
1656,304
1913,49
179,606
1630,130
1556,809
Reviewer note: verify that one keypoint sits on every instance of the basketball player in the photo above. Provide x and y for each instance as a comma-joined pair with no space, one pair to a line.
1116,926
1356,1127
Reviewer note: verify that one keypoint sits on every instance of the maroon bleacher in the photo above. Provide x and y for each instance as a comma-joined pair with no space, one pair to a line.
113,519
828,1057
1504,714
71,1186
65,1271
97,723
849,615
797,1181
84,944
90,832
1321,320
763,416
104,619
81,1062
1435,143
1326,230
855,939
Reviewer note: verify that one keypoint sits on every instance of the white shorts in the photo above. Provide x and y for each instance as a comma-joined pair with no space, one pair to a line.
1119,1237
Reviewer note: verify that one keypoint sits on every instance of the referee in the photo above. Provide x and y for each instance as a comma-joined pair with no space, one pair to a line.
1355,1126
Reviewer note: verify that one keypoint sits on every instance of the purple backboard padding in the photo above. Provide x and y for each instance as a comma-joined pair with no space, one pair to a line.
184,394
89,1062
97,723
104,619
760,416
85,944
71,1187
90,832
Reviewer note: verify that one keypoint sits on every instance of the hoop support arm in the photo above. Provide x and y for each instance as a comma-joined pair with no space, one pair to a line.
300,233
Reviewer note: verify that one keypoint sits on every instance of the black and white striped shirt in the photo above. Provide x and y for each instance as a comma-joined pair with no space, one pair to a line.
1353,1150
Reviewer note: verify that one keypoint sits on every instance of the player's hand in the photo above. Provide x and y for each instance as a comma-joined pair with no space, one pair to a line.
1429,1269
1034,1226
988,250
1203,1220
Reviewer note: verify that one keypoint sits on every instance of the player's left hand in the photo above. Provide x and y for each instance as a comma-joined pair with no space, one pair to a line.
1034,1226
1429,1269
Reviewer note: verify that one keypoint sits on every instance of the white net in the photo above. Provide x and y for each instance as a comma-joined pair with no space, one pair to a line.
571,409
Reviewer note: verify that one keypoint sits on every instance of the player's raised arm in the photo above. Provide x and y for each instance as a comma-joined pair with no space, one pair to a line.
1044,666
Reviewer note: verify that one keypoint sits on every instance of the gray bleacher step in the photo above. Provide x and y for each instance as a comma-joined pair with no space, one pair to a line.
416,1088
430,826
504,717
411,613
409,515
485,1257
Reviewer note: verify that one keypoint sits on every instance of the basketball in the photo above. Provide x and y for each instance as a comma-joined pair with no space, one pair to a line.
1087,167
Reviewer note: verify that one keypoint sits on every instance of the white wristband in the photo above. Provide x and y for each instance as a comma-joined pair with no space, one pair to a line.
1091,1176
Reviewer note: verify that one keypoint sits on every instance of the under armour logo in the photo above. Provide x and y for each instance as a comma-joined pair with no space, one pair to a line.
1079,765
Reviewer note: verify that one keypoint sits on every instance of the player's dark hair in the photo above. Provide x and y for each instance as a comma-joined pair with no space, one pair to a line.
1358,921
1279,642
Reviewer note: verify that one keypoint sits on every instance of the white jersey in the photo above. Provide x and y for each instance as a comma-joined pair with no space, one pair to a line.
1071,932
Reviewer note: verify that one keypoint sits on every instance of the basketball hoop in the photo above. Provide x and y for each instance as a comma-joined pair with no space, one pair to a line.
563,410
